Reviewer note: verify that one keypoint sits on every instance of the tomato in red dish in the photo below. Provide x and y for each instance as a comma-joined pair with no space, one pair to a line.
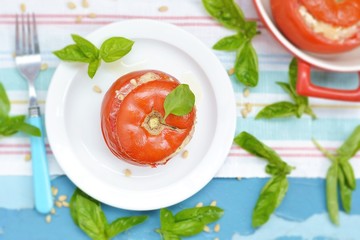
320,26
132,119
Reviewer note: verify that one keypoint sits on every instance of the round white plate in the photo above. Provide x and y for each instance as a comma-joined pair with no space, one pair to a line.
73,118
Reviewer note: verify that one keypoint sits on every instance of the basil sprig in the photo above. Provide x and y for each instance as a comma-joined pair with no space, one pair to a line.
340,175
179,101
187,222
298,107
275,189
87,214
228,13
10,125
84,51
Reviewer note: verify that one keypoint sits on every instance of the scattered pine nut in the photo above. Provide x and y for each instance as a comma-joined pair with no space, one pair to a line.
217,228
85,3
231,71
246,92
27,157
22,7
48,218
97,89
127,172
44,66
53,211
216,238
92,15
62,198
65,204
206,228
213,203
163,9
239,178
200,204
133,82
185,154
244,112
78,19
248,107
58,204
54,191
71,5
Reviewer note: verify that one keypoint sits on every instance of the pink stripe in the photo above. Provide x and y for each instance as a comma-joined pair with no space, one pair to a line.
11,145
283,155
293,148
20,152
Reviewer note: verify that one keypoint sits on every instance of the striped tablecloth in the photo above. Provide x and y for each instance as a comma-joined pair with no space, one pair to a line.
290,137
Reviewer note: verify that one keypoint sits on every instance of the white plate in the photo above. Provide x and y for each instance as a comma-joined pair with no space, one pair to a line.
73,118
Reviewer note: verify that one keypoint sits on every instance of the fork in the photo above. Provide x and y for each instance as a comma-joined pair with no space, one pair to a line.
28,63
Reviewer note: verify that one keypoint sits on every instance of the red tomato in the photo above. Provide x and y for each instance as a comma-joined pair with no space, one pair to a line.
321,35
132,119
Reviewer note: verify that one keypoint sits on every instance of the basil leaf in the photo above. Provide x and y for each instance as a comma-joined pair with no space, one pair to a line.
204,215
250,29
30,129
187,228
345,192
179,101
332,194
167,219
270,198
293,69
86,47
4,102
229,43
277,110
287,88
349,175
87,214
226,12
246,65
72,53
115,48
252,145
280,168
349,148
123,224
310,112
93,67
169,235
11,125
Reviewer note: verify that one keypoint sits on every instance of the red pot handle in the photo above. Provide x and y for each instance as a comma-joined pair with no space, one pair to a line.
306,87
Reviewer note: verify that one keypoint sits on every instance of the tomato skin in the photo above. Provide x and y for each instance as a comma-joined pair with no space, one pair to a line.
291,24
123,119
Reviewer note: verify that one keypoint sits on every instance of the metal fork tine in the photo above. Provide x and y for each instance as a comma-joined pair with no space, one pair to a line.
17,37
23,34
29,35
36,41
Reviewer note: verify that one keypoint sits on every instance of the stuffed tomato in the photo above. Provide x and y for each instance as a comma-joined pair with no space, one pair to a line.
133,119
320,26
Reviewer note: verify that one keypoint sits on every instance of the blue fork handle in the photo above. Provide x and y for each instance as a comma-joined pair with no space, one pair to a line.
41,177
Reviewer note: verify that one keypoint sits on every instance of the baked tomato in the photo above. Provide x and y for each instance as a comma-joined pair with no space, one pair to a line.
321,26
132,119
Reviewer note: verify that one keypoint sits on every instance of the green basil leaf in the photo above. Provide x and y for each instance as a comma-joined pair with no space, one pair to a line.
270,198
30,129
11,125
166,235
324,151
332,193
167,219
293,69
86,47
252,145
349,148
187,228
179,101
246,65
93,67
4,102
345,192
88,215
349,175
205,215
230,43
115,48
280,168
226,12
287,88
250,29
72,53
277,110
310,112
123,224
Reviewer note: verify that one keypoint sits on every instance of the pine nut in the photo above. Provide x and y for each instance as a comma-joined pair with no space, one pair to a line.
97,89
163,9
185,154
71,5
